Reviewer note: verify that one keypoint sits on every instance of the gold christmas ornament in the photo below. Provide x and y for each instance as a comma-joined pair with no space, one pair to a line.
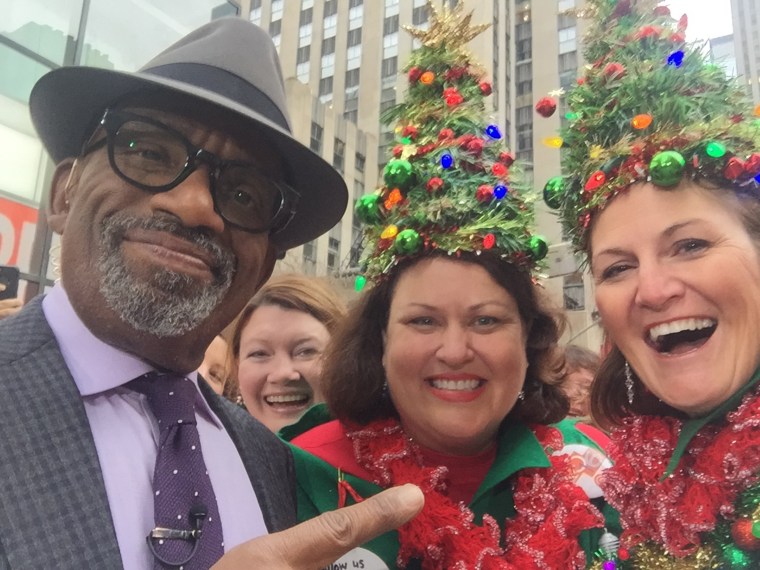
448,26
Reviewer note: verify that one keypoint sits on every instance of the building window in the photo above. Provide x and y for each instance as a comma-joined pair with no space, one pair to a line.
353,57
573,292
352,81
390,25
339,154
389,67
352,116
310,255
565,5
275,28
354,37
331,7
305,17
325,85
419,15
303,54
568,62
328,45
355,3
567,41
333,248
524,49
304,35
315,142
277,9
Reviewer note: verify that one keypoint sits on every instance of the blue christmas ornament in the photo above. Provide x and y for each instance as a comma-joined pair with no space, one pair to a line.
499,191
757,178
493,131
676,58
447,161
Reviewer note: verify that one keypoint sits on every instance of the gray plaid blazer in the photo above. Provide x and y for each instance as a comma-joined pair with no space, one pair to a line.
54,510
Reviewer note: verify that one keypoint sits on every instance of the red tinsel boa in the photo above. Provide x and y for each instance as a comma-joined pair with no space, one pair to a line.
721,461
551,510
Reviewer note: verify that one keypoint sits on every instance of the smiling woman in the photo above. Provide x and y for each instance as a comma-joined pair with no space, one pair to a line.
277,346
669,218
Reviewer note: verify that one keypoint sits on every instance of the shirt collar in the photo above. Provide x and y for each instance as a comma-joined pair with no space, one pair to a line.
690,427
518,449
96,366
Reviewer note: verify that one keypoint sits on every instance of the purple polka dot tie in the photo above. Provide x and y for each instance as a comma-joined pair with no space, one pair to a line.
181,485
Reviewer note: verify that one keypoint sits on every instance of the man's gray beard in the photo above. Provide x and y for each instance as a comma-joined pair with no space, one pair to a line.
170,303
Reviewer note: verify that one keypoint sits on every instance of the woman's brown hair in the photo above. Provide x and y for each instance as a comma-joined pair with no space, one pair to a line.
353,378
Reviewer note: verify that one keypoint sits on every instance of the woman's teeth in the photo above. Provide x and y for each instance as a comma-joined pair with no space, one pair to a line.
287,399
461,385
656,332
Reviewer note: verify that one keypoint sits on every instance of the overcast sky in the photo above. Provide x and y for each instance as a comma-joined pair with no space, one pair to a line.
707,18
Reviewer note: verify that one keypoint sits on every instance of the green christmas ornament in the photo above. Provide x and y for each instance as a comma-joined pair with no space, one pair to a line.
538,247
398,173
359,283
553,191
715,149
407,242
736,558
368,209
666,168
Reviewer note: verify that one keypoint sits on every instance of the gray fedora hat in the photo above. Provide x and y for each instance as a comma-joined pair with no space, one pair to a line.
229,63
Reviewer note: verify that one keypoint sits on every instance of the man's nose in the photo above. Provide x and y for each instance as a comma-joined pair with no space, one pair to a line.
191,202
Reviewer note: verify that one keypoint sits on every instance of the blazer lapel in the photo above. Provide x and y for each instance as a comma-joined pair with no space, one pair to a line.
54,510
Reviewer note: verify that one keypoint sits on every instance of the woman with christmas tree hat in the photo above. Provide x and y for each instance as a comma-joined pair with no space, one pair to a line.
445,373
663,196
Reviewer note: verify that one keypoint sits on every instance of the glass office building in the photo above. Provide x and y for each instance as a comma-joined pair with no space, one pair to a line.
37,36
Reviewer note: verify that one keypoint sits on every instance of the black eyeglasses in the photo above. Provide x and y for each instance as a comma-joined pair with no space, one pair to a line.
156,158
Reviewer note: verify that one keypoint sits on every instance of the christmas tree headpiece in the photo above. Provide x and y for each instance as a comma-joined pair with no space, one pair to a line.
650,107
451,185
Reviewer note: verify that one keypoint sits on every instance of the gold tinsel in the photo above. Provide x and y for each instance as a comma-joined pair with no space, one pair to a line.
449,26
648,557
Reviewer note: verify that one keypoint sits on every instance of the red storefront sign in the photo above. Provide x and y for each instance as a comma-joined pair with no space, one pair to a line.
17,226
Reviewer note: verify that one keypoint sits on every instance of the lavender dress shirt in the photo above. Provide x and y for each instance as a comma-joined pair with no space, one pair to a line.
126,435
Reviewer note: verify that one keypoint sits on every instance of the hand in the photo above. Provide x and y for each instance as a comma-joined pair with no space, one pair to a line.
9,306
317,542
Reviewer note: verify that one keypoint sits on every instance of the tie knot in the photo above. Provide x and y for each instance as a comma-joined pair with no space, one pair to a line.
171,397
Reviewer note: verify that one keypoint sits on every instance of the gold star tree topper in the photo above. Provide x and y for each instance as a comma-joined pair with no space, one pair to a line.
449,26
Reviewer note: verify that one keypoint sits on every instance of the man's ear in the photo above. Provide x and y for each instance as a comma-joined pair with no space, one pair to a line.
65,178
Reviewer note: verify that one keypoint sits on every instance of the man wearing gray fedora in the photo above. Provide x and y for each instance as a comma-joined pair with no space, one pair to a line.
176,188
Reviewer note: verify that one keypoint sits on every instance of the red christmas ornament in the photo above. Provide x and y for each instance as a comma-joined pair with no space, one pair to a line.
736,119
484,193
662,11
546,106
452,96
455,73
464,140
414,74
424,149
580,80
397,150
595,181
734,168
434,184
499,169
752,166
445,134
506,158
683,23
410,131
648,32
485,88
741,531
489,241
393,198
614,70
623,554
678,37
475,146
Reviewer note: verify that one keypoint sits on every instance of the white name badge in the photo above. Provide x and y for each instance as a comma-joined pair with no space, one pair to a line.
358,558
588,464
